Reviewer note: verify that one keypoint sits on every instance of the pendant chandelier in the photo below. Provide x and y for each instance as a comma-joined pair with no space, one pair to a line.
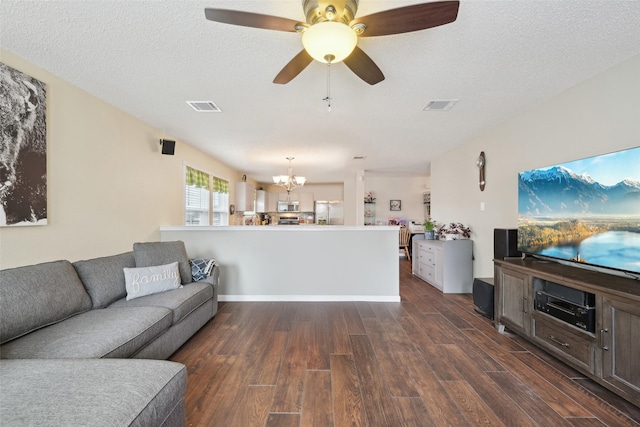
290,181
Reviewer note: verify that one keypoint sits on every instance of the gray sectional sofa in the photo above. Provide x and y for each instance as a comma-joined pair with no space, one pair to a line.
69,332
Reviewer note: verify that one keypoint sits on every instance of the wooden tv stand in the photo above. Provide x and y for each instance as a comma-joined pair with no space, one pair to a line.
610,355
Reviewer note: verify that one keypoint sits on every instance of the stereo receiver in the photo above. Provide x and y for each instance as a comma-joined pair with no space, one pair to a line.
578,315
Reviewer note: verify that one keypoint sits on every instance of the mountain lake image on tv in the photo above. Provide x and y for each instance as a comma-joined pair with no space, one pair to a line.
585,211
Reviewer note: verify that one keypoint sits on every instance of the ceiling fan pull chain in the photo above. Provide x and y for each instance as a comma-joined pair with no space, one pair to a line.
328,98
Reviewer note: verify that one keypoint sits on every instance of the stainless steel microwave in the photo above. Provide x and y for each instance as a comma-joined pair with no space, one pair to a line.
289,206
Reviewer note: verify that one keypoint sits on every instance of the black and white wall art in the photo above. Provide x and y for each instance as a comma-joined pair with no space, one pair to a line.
23,149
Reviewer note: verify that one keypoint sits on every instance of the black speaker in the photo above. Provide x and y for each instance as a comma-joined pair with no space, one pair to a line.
505,243
483,296
168,146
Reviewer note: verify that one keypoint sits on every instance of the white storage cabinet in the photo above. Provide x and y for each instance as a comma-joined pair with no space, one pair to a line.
447,265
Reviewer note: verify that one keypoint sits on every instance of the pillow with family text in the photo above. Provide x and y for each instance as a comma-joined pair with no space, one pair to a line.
151,280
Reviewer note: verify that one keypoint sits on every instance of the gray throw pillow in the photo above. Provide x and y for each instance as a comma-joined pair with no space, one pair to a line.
150,254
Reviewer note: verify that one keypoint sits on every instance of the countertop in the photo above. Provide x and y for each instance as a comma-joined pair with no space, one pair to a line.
280,228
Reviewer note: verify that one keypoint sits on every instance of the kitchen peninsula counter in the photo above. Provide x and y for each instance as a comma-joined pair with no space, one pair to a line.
298,262
277,227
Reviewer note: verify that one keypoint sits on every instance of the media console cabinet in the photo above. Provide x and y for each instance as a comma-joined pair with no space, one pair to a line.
607,350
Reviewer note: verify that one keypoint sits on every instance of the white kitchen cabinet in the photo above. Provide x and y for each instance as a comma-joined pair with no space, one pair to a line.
306,202
261,201
272,202
245,196
446,265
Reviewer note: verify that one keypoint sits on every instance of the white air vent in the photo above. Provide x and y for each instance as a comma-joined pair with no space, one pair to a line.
440,105
205,106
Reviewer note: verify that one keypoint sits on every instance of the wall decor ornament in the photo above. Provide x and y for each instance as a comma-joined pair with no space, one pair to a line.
395,205
481,163
369,197
23,149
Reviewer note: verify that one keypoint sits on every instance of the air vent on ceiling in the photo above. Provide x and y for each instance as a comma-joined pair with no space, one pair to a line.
205,106
440,105
359,157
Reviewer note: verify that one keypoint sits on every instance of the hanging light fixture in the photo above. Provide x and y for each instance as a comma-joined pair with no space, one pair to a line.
329,41
289,182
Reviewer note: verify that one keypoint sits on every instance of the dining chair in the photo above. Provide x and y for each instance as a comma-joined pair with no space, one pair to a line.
405,241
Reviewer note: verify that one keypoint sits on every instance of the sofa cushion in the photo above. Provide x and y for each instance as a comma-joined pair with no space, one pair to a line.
104,332
104,277
151,280
39,295
181,301
157,253
112,392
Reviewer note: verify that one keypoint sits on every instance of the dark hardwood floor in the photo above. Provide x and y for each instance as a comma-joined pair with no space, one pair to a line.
428,360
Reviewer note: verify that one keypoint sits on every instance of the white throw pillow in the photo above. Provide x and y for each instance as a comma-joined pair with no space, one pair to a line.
151,280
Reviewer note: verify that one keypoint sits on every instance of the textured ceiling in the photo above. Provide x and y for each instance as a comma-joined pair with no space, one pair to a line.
499,58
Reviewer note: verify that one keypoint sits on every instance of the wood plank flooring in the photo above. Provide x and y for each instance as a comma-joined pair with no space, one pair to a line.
428,360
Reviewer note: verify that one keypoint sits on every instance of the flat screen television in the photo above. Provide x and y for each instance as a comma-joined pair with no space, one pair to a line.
585,212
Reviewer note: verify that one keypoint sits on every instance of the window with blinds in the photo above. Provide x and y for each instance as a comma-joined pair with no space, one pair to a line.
220,208
206,199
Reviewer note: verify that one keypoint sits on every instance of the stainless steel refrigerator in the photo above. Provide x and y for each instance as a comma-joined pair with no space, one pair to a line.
330,213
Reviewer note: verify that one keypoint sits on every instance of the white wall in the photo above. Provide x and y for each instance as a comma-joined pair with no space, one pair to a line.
108,184
409,190
326,192
354,197
598,116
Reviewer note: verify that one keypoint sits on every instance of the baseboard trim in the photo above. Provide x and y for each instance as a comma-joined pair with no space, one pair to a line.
309,298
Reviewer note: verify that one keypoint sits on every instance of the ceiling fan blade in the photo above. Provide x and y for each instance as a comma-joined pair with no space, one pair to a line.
409,18
293,68
249,19
364,67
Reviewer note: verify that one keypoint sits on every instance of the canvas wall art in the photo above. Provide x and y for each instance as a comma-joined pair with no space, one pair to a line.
23,149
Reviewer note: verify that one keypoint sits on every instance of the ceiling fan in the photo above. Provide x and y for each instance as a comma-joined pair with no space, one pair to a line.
330,33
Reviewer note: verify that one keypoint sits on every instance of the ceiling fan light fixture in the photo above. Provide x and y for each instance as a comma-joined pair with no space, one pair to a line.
329,39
